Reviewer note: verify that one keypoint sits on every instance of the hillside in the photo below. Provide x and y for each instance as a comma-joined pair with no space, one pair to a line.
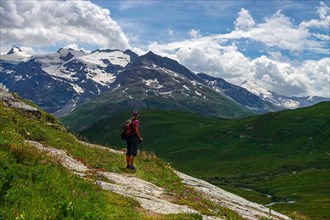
284,155
48,174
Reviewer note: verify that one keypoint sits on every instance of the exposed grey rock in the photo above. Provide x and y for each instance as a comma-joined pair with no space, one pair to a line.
56,126
67,161
13,102
243,207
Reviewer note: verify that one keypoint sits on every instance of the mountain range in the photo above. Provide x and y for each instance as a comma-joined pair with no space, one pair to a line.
63,81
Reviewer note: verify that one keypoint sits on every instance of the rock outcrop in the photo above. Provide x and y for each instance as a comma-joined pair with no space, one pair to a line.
243,207
10,101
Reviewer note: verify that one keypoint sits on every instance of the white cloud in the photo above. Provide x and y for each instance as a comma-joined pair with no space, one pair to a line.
244,20
194,33
323,22
126,5
318,74
321,36
47,23
76,47
277,76
28,50
276,31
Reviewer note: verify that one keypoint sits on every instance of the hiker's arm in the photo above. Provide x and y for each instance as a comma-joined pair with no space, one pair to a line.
137,132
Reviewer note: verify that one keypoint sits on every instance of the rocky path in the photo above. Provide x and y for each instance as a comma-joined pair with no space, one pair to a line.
151,197
243,207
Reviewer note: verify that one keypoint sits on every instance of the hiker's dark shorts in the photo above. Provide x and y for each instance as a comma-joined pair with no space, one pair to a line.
131,146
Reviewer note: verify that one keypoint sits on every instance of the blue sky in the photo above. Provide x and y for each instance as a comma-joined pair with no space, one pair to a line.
152,20
282,45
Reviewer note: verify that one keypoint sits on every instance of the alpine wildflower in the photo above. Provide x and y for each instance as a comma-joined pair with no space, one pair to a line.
98,183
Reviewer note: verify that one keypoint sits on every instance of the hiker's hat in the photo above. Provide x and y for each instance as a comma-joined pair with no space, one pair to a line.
135,113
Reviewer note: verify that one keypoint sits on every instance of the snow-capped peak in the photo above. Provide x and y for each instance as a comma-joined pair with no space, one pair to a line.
14,49
15,55
64,52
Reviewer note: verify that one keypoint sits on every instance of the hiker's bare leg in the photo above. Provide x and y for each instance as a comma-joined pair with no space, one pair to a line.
128,160
131,160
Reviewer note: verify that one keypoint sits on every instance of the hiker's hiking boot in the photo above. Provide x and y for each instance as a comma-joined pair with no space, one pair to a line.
131,167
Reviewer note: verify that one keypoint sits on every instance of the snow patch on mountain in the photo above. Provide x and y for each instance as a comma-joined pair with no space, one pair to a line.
275,99
261,92
77,88
166,94
100,58
117,87
102,77
185,87
289,103
64,52
175,76
153,83
198,93
257,89
67,70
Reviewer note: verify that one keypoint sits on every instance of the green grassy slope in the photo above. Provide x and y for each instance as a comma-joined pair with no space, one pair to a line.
283,154
35,186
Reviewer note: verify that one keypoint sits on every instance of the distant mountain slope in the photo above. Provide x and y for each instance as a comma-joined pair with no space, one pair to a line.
283,154
239,94
282,101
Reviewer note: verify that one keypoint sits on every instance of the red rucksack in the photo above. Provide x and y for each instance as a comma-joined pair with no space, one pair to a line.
128,130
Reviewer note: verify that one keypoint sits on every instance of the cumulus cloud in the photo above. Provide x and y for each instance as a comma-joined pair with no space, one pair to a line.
244,20
47,23
276,31
317,73
323,22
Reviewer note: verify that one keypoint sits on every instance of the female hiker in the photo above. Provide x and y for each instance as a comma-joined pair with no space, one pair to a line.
133,141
